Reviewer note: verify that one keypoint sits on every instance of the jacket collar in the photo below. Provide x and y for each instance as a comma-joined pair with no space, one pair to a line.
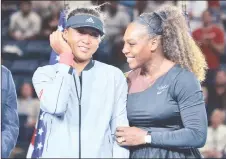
89,65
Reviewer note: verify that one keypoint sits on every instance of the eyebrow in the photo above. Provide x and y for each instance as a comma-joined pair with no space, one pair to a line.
128,39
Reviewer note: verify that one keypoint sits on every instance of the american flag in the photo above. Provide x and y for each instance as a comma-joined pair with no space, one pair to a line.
38,139
54,58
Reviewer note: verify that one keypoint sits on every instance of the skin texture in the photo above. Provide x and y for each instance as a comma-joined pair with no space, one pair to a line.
82,43
138,46
153,45
142,52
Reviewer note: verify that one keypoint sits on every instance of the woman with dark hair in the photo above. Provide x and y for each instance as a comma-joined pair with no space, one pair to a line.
82,100
165,106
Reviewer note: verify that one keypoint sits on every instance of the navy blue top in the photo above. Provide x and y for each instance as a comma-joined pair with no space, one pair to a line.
10,121
172,110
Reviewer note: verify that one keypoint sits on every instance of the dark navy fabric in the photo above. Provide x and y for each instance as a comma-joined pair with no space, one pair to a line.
173,111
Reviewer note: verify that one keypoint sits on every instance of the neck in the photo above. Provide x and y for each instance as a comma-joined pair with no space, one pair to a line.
25,14
153,68
206,25
79,66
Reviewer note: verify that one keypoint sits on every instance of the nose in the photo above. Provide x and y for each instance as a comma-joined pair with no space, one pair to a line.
125,49
86,39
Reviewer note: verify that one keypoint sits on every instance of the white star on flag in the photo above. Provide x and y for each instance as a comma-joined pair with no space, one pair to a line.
57,58
40,131
42,116
60,28
40,145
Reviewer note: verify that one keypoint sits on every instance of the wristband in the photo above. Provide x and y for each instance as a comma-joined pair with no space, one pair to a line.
67,58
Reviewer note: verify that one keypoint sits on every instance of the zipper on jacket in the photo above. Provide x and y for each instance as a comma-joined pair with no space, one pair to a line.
79,101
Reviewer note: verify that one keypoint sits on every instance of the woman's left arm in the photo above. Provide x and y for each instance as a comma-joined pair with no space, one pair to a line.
187,91
188,94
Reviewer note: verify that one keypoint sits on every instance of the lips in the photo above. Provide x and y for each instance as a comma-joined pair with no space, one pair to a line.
83,48
129,59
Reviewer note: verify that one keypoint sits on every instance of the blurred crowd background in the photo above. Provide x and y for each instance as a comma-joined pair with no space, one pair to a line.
26,26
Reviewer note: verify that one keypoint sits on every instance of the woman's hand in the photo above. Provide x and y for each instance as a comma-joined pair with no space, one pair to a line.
130,136
58,44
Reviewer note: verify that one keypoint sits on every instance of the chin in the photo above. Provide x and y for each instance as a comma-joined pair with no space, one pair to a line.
83,57
132,66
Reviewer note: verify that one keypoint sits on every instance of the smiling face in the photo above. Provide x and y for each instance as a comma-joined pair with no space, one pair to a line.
83,41
138,47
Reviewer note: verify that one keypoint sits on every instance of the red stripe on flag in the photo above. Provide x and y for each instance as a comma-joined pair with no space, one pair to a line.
40,94
33,137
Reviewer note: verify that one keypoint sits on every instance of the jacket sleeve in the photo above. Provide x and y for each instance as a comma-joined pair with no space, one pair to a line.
10,121
208,144
119,117
187,92
53,88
